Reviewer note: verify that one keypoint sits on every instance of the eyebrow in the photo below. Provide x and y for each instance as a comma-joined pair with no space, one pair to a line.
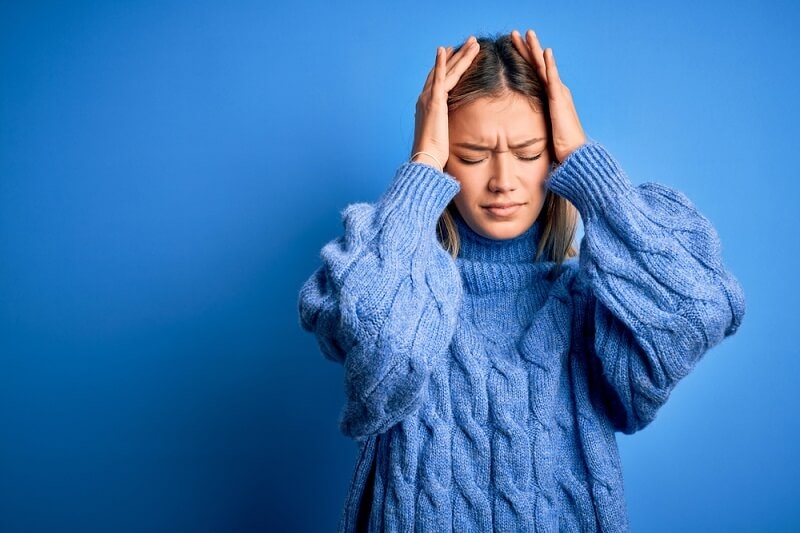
479,147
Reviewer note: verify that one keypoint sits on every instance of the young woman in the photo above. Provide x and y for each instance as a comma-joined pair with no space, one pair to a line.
487,365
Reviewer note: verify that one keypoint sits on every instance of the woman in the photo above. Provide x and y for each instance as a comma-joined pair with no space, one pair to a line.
487,368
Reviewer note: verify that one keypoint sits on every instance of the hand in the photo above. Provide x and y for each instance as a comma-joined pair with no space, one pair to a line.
430,120
567,131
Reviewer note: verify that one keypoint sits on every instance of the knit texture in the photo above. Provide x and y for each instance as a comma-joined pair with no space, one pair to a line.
485,391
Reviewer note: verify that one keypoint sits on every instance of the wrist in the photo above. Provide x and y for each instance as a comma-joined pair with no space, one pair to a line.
564,152
427,158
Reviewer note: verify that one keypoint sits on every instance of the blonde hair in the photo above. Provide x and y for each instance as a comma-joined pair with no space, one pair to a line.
498,69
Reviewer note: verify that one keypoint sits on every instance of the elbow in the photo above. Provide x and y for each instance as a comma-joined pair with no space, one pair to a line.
715,315
631,408
734,295
664,358
638,417
386,378
387,402
318,313
313,296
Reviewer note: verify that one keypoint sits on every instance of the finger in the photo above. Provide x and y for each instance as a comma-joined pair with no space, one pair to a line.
538,54
429,79
463,52
566,91
553,78
439,71
461,65
522,48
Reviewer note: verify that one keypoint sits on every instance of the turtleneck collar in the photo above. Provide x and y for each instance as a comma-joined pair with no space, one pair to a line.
490,266
476,247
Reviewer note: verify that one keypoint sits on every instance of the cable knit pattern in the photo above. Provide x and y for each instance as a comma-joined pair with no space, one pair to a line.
485,391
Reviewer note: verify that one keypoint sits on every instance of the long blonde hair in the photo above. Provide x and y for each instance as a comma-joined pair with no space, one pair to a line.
497,69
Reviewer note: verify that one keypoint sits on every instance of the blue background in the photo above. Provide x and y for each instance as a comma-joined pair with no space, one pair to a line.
169,173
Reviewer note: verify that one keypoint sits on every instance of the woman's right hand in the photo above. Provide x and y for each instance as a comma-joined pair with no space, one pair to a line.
430,120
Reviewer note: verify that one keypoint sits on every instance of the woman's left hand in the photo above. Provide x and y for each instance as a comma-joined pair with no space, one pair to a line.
567,131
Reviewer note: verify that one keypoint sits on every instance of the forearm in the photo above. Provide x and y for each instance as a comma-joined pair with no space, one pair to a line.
659,293
384,302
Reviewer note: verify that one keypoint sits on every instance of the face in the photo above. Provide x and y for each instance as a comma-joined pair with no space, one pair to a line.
498,153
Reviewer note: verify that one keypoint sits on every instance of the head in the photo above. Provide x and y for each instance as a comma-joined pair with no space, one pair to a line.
501,152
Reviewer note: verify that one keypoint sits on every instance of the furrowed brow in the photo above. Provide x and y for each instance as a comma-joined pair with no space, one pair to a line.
476,147
529,142
481,148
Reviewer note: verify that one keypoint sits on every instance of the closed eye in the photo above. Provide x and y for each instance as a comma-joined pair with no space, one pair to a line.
469,161
476,161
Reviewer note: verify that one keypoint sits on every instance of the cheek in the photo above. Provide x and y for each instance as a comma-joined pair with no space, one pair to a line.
469,178
538,170
469,193
462,171
544,166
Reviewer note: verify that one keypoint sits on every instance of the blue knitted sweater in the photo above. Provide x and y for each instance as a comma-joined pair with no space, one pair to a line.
485,391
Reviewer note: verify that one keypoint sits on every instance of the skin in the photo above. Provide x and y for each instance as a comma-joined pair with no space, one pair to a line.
503,178
496,173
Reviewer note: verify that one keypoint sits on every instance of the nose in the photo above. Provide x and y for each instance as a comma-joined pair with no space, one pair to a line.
502,179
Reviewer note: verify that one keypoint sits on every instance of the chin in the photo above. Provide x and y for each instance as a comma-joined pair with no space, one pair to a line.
499,230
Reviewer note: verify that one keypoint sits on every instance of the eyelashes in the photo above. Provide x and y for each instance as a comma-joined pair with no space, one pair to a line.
475,162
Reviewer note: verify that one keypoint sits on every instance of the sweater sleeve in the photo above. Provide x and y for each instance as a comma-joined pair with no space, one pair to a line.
651,291
385,299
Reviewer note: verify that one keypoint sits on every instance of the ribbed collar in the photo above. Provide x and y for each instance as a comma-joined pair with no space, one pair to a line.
500,265
476,247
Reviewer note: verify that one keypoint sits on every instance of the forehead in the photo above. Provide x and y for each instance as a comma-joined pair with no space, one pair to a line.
509,117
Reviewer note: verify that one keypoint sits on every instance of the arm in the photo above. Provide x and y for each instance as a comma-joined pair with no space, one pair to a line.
385,300
652,294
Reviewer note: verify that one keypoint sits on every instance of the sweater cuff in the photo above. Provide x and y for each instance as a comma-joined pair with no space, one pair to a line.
589,178
418,195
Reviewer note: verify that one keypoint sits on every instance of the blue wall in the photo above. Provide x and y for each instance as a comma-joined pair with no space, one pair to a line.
169,173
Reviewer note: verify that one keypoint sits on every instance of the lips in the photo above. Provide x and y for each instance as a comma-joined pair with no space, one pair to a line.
502,209
503,204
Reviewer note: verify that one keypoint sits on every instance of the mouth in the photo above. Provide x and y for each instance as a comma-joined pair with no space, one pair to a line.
502,210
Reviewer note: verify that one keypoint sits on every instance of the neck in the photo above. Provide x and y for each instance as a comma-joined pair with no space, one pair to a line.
476,247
